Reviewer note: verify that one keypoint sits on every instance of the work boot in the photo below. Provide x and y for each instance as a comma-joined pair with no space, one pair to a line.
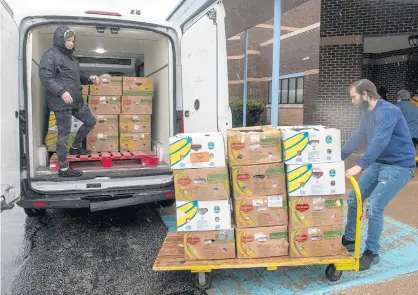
368,259
349,245
79,151
68,172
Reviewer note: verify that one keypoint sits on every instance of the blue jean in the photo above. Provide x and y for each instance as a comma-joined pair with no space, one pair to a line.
379,184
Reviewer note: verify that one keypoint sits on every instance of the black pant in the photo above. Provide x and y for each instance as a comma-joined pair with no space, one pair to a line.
63,119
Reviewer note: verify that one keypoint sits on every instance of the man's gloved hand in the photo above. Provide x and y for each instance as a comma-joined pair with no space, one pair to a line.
66,96
95,79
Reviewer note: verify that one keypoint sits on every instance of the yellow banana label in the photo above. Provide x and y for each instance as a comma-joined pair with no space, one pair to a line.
179,150
294,145
298,177
186,212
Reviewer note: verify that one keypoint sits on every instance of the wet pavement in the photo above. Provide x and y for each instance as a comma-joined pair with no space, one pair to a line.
76,252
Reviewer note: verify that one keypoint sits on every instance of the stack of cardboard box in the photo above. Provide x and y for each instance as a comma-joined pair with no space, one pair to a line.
135,120
259,191
316,188
104,102
202,192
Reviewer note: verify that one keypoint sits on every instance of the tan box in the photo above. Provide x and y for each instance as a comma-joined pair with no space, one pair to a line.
107,124
254,145
100,142
137,105
316,210
85,89
138,86
219,244
135,142
260,211
135,123
104,105
203,184
107,86
258,180
261,242
312,241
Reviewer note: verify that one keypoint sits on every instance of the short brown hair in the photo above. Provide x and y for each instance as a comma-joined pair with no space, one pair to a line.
365,85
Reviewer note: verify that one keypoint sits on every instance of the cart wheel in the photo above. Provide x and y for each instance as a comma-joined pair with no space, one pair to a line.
203,280
332,273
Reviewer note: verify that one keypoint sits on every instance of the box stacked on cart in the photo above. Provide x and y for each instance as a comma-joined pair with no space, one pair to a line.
259,191
316,187
202,191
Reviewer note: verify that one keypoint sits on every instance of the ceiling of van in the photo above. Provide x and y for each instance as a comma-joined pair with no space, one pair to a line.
126,43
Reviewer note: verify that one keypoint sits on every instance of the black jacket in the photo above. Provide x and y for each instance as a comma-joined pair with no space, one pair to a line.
59,71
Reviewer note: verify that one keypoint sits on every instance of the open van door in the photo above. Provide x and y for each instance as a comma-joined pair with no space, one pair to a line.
204,65
9,136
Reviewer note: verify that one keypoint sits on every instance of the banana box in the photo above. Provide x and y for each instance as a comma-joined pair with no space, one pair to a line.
107,86
216,244
202,184
315,179
313,241
261,211
203,215
310,144
316,210
135,123
85,96
104,105
262,242
107,124
137,105
197,150
85,89
101,142
258,180
52,123
135,142
138,86
254,145
52,137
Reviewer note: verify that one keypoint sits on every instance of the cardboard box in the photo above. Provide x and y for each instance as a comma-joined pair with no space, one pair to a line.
306,241
85,96
137,105
107,124
100,142
209,245
108,86
310,144
135,142
138,86
85,89
254,145
261,211
315,179
52,123
52,137
258,180
316,210
203,215
197,150
104,105
135,123
202,184
261,242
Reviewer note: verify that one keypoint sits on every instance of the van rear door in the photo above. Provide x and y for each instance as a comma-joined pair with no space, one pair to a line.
9,136
204,65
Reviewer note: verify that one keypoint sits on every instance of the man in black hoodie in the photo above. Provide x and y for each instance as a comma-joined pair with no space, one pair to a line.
60,74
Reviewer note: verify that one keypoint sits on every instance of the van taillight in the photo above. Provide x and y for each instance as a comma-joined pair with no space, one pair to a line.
38,204
169,195
103,12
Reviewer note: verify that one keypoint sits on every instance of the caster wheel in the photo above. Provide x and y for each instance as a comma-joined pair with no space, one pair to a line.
332,273
203,280
30,212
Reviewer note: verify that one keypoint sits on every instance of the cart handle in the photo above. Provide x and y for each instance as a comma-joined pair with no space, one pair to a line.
359,201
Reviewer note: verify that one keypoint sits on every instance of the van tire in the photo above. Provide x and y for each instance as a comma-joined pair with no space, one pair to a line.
31,212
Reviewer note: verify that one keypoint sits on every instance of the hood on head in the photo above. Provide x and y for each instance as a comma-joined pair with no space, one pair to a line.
59,39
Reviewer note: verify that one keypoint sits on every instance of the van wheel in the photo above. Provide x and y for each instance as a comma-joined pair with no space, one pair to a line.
30,212
166,203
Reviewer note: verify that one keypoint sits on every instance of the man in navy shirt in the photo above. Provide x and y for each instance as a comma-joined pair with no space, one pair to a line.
387,164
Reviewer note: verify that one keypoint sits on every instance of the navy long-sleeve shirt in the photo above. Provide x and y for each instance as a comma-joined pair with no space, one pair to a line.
387,136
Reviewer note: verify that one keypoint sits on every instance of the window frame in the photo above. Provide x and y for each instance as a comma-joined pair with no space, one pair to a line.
297,77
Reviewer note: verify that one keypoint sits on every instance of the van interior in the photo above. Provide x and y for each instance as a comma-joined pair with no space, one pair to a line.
114,51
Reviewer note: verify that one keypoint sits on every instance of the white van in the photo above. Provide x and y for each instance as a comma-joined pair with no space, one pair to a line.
185,56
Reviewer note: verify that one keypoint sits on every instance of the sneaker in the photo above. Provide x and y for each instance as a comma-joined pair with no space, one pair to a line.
368,259
79,151
69,173
349,245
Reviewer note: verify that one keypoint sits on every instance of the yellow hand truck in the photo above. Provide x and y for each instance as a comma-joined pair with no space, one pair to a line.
171,257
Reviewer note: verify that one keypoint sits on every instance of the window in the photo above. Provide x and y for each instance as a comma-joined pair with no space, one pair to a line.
291,91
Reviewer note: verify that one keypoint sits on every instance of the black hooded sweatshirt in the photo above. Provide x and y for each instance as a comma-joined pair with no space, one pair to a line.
59,71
